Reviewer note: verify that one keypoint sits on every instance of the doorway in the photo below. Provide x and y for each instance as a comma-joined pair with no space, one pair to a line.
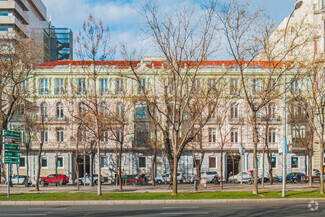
232,164
81,165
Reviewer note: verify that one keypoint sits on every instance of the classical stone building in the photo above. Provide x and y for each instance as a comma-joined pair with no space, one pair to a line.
58,89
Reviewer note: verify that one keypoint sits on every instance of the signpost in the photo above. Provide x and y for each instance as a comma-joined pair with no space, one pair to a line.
11,154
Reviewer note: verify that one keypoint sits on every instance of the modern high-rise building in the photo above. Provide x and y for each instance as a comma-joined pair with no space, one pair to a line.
61,44
29,17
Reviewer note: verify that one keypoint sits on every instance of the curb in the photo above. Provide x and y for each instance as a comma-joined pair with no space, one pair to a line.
153,202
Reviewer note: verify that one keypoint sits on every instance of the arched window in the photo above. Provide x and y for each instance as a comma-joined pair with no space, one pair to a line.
44,110
234,111
59,111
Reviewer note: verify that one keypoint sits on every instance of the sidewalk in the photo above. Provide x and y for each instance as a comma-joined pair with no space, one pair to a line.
158,188
156,202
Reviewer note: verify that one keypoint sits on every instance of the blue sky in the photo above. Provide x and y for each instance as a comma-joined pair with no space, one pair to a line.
123,16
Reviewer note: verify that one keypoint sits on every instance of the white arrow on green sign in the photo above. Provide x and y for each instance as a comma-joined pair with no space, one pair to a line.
11,147
11,154
11,133
11,160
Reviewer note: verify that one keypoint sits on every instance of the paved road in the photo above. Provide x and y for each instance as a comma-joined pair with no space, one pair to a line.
246,210
159,188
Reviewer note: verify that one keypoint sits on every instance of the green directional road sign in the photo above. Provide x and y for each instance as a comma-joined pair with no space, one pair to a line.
11,133
11,147
11,154
11,160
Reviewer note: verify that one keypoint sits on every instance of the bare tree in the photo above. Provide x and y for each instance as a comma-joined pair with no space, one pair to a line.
247,32
18,54
93,43
185,41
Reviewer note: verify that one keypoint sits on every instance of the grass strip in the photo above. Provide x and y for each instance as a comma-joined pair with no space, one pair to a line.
159,196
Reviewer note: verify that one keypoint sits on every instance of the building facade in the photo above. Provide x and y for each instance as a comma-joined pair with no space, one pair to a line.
60,87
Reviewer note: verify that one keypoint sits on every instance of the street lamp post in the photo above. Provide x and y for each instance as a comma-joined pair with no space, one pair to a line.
284,149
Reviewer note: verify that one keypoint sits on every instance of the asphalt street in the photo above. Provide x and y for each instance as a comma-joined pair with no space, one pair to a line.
230,209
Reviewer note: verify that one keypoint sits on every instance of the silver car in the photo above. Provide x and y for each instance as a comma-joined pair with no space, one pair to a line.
95,180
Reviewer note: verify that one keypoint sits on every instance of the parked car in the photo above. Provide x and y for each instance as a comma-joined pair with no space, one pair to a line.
161,179
208,175
20,180
132,179
242,176
88,179
292,177
54,178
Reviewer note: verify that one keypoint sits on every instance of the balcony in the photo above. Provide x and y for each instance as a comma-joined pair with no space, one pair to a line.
235,120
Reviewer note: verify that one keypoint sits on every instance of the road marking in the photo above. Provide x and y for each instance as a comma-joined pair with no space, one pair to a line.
47,208
31,214
184,213
170,207
302,205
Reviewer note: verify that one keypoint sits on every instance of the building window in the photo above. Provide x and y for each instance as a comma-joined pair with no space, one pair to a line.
60,135
272,111
142,86
299,132
234,111
103,86
212,135
105,136
197,85
83,134
211,85
212,111
103,162
44,136
234,135
82,109
234,86
273,162
272,135
59,111
294,87
44,89
44,162
294,162
212,162
140,110
60,162
103,109
142,162
120,108
44,111
22,162
257,85
81,86
59,86
119,86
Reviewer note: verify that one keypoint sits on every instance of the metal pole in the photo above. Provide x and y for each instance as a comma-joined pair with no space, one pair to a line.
91,170
8,181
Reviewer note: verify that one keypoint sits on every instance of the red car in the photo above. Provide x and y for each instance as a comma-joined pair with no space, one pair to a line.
54,178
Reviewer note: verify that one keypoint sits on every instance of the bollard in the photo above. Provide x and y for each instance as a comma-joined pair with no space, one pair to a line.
195,185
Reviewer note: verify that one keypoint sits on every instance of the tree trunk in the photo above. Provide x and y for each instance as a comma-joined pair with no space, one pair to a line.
153,166
255,141
38,169
233,167
175,175
77,168
56,167
263,159
221,168
269,158
99,193
310,169
120,169
322,166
